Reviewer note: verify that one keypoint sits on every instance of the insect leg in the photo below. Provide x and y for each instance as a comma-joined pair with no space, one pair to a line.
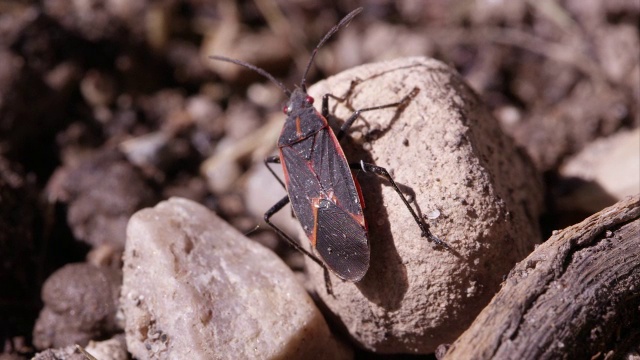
325,98
347,124
267,216
275,159
380,171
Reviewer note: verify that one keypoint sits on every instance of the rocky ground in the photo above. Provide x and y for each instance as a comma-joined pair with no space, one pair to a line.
107,108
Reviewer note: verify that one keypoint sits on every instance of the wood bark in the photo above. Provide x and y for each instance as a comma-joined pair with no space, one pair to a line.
577,296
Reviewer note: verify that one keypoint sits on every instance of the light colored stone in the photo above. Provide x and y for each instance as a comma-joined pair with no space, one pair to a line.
71,352
112,349
608,170
195,288
447,148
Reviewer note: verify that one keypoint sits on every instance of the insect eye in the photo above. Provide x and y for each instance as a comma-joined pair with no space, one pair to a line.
286,109
309,100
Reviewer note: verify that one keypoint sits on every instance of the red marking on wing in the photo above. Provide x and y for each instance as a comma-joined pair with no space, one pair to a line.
284,169
315,171
314,234
298,127
359,218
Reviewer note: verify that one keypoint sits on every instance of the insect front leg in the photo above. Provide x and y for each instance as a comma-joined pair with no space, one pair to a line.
267,218
380,171
347,124
325,98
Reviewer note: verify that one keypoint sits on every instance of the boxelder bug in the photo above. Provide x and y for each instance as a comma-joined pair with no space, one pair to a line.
323,192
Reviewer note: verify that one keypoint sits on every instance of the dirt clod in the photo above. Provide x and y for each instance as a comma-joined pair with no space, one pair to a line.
80,305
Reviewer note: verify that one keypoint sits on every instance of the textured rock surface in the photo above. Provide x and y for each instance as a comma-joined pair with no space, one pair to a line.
80,305
112,349
70,352
196,288
446,147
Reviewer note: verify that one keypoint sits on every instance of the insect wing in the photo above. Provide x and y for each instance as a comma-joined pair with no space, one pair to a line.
341,241
302,184
326,201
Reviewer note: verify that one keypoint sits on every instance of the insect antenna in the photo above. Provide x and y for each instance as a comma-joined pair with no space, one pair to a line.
344,22
256,69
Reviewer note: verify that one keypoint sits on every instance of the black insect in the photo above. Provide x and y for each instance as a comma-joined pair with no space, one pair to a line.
323,192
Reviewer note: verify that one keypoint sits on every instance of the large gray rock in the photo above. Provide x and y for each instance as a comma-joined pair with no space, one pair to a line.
195,288
482,195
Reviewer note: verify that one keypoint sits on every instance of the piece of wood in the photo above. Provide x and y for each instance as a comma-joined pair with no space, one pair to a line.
577,296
